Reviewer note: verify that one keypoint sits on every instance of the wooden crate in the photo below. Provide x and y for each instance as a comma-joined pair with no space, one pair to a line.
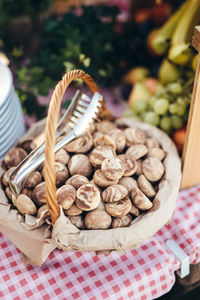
191,152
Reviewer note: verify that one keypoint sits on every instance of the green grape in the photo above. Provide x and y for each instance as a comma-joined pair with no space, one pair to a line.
151,118
165,123
174,88
161,106
160,90
182,101
152,101
177,122
173,108
181,110
138,106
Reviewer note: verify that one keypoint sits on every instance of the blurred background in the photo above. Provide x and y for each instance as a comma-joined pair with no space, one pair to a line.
138,52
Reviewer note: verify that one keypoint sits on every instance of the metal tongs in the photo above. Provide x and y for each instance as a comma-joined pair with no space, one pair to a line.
76,121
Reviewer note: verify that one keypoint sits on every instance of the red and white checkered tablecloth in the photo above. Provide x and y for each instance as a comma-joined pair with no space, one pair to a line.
146,272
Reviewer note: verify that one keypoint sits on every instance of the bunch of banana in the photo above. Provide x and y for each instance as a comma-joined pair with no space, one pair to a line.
176,33
161,40
180,50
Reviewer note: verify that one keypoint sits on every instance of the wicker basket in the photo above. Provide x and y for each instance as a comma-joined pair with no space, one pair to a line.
36,239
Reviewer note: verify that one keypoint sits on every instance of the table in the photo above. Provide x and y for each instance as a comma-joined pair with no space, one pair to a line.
146,272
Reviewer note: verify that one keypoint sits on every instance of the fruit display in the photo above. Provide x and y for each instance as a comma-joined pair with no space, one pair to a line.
167,107
160,41
165,101
180,50
175,34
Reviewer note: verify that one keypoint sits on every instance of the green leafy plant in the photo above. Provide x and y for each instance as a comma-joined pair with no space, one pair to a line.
70,42
58,44
80,42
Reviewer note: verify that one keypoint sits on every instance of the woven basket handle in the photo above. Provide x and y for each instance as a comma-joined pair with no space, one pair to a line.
50,135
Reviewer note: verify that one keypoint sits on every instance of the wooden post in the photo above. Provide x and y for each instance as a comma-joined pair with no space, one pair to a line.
191,152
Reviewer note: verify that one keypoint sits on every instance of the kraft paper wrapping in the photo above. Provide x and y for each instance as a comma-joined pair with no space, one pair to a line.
35,240
35,245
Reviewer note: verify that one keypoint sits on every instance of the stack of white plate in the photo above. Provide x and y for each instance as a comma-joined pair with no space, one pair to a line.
11,118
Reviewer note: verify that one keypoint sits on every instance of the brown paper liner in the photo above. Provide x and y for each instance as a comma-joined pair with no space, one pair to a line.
35,245
37,241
